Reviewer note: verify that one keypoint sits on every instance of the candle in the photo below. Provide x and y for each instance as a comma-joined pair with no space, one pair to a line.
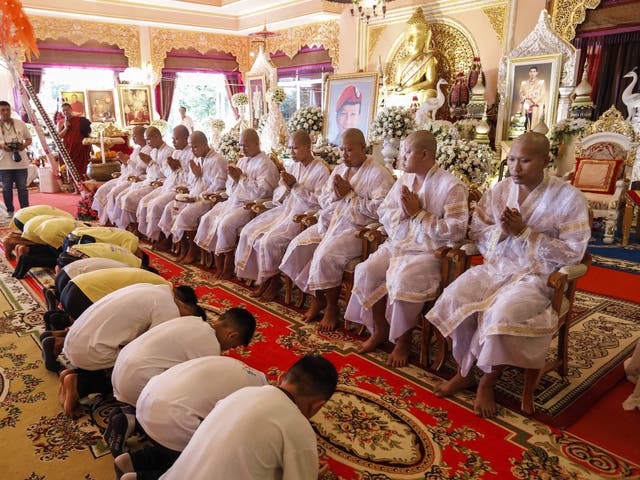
102,147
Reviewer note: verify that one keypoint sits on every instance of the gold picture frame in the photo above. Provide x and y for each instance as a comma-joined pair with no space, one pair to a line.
342,94
101,105
257,92
135,104
76,99
532,92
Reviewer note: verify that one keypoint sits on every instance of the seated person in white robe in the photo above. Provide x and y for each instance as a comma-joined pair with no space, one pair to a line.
254,178
207,174
264,239
315,260
262,432
425,210
94,340
166,345
131,165
172,405
499,313
153,204
157,170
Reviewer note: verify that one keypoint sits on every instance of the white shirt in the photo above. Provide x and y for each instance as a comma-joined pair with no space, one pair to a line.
96,337
86,265
187,121
172,404
256,433
159,349
13,132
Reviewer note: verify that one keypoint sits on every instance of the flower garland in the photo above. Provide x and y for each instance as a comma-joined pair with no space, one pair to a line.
307,118
228,146
562,132
240,100
276,95
471,162
392,122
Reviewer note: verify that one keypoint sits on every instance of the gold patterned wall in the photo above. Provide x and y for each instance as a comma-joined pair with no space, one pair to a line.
321,34
497,16
127,37
566,15
164,40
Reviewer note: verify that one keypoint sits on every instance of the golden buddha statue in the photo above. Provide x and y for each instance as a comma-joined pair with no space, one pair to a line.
416,67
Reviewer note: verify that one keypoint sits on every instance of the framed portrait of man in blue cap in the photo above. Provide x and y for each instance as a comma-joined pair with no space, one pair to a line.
350,102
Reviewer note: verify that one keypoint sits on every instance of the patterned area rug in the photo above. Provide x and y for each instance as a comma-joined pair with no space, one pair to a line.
381,424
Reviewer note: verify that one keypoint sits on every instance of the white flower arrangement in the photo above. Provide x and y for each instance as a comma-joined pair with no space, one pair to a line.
161,125
108,129
329,153
217,124
466,128
470,161
392,122
228,146
240,100
443,130
276,95
562,132
307,118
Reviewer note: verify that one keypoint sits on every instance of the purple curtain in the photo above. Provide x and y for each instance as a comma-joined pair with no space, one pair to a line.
35,76
234,85
167,87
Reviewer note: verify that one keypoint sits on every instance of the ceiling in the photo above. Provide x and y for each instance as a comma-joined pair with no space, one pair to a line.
226,16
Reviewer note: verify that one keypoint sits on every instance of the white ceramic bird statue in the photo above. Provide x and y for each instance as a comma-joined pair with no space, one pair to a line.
630,99
431,105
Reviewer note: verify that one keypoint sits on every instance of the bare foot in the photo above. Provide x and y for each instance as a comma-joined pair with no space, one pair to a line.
315,308
192,255
261,289
61,392
399,357
162,245
71,398
485,403
373,342
329,320
450,387
272,290
21,250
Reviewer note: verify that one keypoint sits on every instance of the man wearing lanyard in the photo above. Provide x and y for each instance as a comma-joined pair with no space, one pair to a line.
13,158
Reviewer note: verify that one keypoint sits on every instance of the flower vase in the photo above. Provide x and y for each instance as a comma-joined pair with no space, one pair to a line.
390,151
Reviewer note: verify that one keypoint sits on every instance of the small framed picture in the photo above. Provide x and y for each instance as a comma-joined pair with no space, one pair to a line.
257,90
350,102
135,104
532,90
101,106
76,100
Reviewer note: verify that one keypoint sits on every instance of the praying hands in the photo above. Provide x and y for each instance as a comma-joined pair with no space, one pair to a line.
410,202
341,186
511,222
234,172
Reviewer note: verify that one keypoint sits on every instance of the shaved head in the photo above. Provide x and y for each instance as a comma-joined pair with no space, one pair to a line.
537,142
198,137
138,130
180,131
354,136
249,142
424,140
152,131
250,135
301,137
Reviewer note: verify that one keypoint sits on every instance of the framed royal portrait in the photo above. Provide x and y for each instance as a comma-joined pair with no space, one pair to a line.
77,101
532,92
350,101
101,106
257,91
135,104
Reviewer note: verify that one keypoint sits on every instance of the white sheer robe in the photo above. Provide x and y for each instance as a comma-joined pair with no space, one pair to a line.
219,228
179,217
157,170
316,258
264,239
499,313
153,204
134,167
405,268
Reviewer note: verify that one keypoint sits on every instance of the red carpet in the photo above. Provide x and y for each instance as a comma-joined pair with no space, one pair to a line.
614,283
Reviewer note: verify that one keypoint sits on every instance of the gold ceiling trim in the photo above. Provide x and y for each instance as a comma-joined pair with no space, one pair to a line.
319,34
497,16
127,37
566,15
165,40
375,32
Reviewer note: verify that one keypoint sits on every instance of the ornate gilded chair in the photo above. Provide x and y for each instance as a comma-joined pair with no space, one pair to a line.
604,159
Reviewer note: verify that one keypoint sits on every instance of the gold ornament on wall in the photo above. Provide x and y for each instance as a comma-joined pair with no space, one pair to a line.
374,34
496,16
127,37
165,40
566,15
320,34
